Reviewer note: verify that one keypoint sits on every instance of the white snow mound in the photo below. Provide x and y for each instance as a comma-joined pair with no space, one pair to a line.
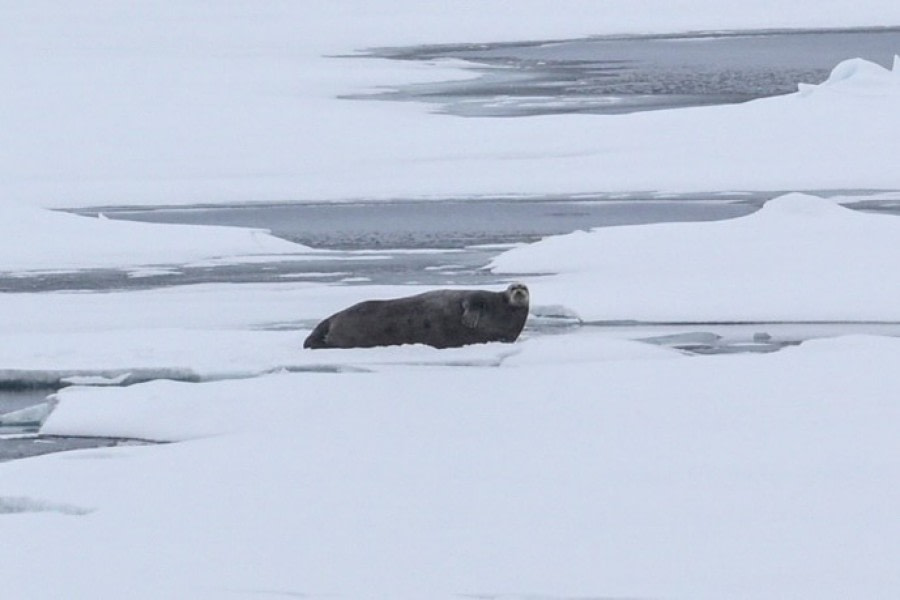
798,258
857,75
437,483
35,239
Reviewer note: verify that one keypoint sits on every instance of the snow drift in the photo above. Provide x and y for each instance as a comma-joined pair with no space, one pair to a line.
35,239
740,476
799,258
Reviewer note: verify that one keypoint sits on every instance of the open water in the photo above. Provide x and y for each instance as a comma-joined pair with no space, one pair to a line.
623,74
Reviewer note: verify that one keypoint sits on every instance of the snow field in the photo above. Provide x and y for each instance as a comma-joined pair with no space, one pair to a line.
568,465
558,467
160,104
800,258
740,476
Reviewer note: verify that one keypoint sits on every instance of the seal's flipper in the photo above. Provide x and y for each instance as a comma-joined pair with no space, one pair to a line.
471,314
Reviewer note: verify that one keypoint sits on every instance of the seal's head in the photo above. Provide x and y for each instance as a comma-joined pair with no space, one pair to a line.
517,295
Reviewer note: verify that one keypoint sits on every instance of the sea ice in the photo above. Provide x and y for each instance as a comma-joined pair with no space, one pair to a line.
32,415
799,258
36,239
565,466
253,113
595,478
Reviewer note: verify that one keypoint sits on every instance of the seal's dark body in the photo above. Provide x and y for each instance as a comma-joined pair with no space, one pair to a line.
442,318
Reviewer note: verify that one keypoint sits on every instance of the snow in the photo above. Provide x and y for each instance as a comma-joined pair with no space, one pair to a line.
857,76
799,258
201,333
189,308
109,104
738,476
177,411
35,239
572,464
563,465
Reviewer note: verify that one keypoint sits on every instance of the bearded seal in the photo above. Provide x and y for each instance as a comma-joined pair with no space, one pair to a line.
442,318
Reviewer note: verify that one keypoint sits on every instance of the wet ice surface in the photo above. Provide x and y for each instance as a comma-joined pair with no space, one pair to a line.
730,338
616,75
13,447
17,399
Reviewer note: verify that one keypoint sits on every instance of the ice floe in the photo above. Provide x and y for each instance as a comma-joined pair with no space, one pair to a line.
858,76
24,417
438,481
799,258
129,356
36,239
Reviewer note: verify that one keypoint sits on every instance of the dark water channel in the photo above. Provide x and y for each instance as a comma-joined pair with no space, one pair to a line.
454,224
623,74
